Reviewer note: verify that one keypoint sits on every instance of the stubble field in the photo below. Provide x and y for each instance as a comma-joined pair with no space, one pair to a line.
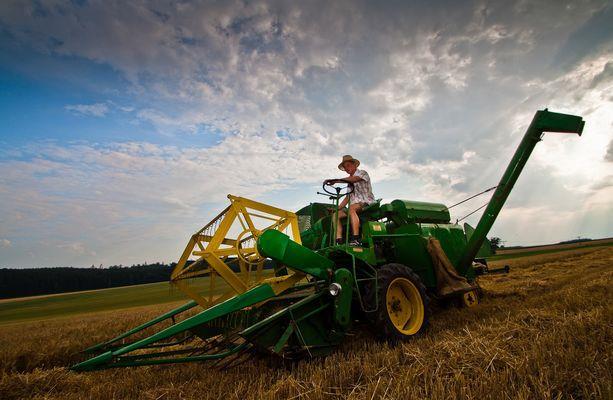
545,331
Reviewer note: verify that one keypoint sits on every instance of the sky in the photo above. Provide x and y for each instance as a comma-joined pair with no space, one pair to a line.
124,125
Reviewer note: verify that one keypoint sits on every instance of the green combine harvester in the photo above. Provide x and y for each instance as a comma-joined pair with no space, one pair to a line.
263,280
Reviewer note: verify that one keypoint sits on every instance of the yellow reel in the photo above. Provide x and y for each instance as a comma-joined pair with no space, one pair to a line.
226,248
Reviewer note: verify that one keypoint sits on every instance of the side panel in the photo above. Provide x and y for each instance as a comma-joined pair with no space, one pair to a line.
486,247
452,239
412,250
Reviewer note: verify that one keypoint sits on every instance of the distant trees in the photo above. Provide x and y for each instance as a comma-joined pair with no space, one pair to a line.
495,243
36,281
579,239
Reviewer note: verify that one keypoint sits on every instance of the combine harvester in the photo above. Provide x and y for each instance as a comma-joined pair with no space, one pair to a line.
411,253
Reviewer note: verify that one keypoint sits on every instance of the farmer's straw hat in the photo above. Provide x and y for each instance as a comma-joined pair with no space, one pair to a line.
348,158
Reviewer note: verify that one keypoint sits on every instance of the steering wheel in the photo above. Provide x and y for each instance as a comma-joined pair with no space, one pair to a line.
344,189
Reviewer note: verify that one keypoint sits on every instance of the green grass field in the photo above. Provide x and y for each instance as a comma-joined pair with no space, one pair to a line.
48,307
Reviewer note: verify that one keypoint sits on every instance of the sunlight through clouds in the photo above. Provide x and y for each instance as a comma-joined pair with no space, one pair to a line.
178,105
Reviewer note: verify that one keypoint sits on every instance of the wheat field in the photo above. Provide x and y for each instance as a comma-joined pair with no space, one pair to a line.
544,331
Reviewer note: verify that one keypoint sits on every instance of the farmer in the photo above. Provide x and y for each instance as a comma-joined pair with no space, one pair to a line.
360,198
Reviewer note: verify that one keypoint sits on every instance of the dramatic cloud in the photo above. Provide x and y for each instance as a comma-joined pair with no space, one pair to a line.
609,155
130,192
433,98
97,110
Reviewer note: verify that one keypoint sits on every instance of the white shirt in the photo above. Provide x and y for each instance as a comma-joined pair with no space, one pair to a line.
362,189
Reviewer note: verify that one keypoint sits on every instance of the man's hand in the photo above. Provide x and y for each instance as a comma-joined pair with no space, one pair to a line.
332,181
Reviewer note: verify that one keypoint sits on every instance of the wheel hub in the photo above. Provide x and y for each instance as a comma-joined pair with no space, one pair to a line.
470,298
404,306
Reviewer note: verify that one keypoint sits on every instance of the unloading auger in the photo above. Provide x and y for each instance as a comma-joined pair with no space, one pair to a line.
273,281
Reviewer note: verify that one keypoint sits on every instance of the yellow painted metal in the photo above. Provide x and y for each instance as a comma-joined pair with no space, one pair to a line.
227,244
281,284
470,298
405,307
226,273
184,287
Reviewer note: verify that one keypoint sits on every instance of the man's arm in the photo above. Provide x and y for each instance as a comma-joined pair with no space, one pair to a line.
351,179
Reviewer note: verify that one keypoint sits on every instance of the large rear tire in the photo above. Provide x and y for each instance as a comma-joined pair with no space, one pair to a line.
403,308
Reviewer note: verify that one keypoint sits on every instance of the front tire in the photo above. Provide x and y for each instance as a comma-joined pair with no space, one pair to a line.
402,311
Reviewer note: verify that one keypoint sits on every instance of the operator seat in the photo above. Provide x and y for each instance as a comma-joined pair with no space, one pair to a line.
368,213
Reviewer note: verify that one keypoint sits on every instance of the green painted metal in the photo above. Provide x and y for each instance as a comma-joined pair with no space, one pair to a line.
250,297
486,248
342,302
281,248
312,331
106,360
165,316
412,211
543,121
284,338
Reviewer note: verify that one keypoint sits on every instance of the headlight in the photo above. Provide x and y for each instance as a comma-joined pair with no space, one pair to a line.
334,289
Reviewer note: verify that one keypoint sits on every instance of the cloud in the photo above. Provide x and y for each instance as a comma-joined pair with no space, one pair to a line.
590,36
96,110
609,155
76,248
607,182
433,108
258,66
118,196
5,243
604,76
303,70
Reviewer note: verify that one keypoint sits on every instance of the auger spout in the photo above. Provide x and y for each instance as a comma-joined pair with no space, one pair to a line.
280,247
543,121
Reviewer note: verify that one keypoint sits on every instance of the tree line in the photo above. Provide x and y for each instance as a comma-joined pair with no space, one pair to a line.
15,282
